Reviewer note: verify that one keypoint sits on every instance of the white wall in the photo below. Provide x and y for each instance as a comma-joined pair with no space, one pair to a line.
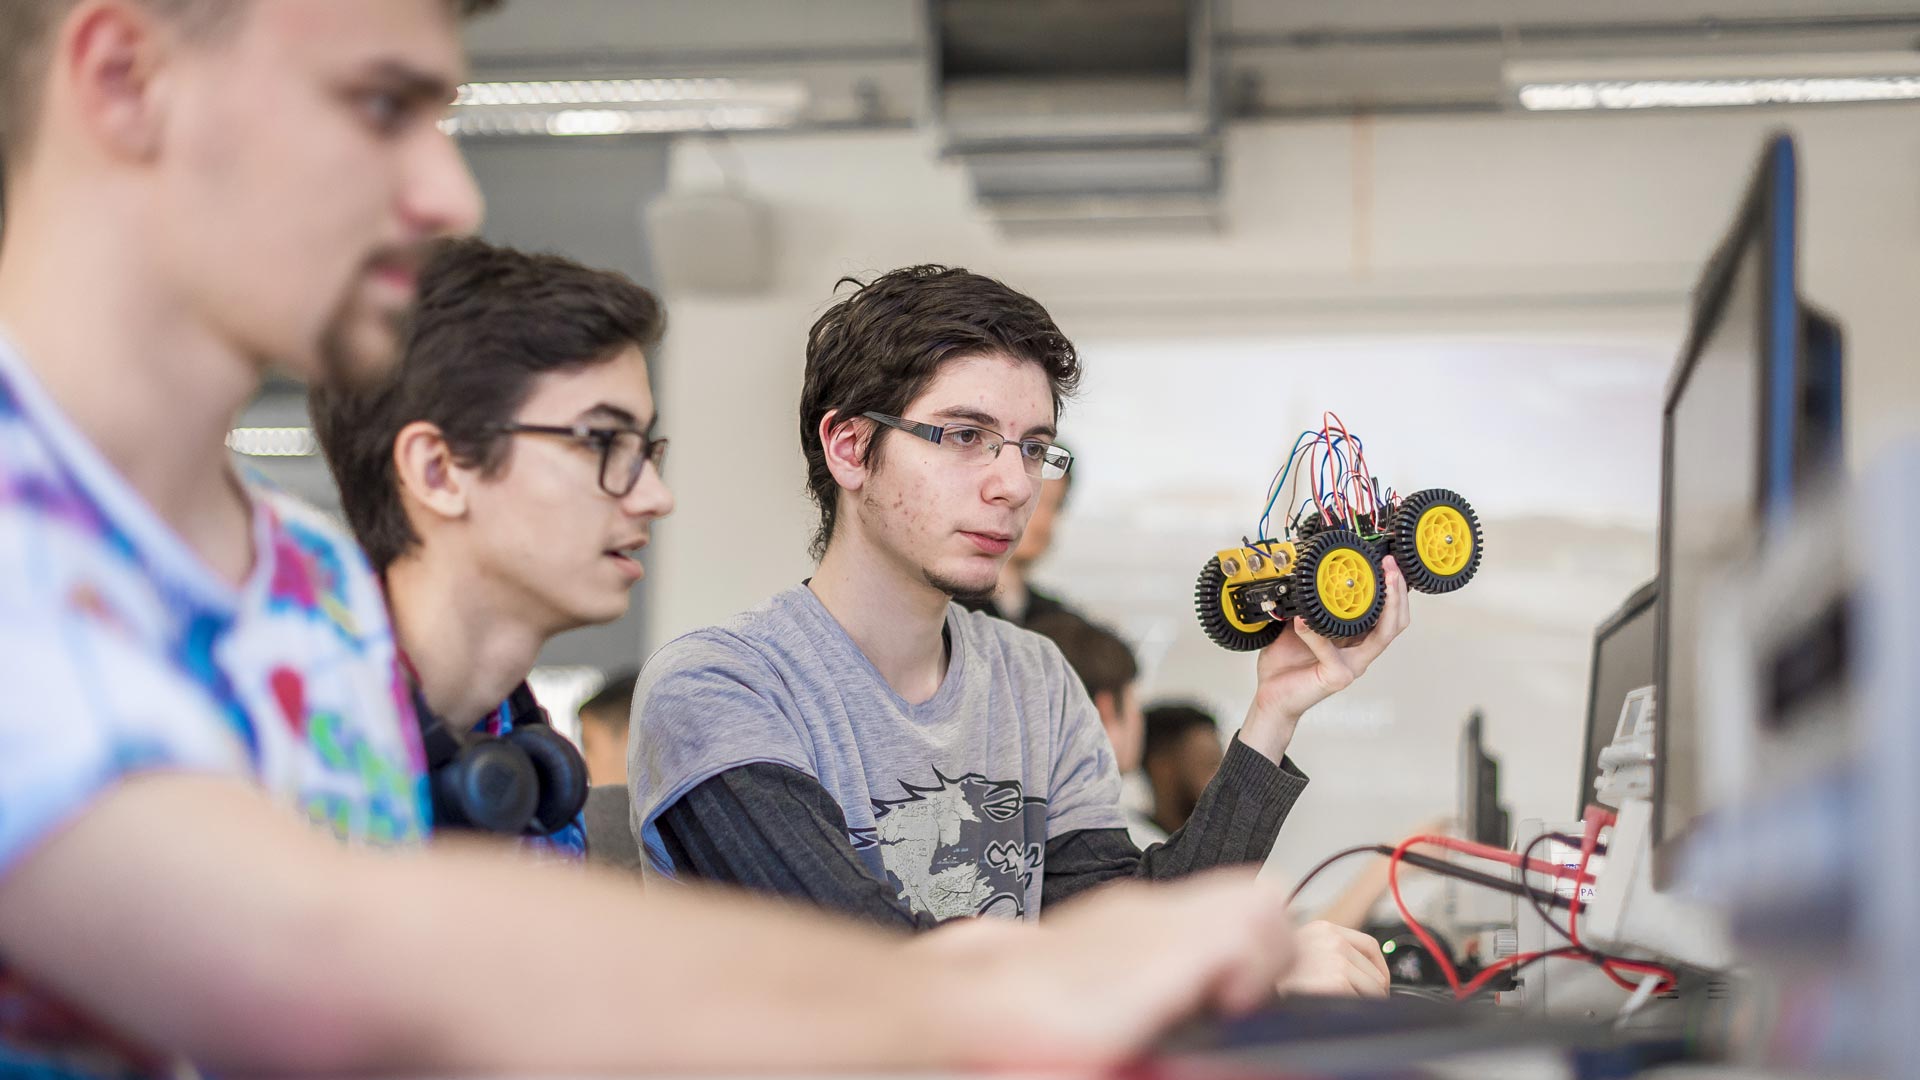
1492,301
1534,268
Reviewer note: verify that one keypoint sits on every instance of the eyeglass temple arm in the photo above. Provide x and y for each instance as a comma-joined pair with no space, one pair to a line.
930,432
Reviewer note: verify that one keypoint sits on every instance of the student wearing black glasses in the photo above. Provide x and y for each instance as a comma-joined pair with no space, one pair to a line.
503,481
203,738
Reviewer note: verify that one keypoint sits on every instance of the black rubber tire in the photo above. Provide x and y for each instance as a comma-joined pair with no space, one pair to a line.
1403,538
1206,605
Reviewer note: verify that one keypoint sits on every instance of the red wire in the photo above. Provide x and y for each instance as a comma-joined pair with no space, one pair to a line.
1352,492
1596,819
1460,992
1363,475
1359,473
1332,512
1481,980
1331,423
1502,855
1433,948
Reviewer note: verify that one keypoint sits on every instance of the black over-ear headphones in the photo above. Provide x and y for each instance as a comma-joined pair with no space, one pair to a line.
530,781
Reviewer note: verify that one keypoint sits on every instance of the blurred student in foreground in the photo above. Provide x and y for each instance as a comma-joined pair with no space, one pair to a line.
207,730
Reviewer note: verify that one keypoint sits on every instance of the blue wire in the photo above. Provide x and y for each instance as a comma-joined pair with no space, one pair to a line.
1334,467
1280,483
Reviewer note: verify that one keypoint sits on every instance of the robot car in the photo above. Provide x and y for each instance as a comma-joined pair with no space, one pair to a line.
1325,568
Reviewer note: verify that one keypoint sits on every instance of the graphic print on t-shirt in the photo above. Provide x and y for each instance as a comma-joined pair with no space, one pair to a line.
962,846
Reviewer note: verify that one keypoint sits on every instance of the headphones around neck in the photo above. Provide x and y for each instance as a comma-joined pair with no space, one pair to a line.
529,782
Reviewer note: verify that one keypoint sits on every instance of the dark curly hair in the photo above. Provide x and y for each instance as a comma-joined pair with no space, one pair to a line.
489,321
1098,655
878,348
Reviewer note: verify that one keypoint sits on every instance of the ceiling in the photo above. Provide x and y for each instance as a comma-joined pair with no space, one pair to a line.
1105,114
870,59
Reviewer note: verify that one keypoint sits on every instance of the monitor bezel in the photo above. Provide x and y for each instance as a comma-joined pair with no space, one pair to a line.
1636,604
1767,217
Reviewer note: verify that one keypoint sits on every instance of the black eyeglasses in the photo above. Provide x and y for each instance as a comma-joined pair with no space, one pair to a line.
624,452
976,445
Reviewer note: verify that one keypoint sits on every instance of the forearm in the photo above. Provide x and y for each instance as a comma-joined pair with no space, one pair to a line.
1237,818
1268,730
773,829
1356,901
310,957
609,976
1236,821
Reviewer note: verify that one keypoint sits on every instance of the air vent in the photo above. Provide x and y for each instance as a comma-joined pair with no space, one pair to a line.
1081,113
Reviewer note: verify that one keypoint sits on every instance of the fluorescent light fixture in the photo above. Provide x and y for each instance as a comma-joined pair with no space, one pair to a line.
1701,93
625,106
495,122
632,92
1721,81
273,441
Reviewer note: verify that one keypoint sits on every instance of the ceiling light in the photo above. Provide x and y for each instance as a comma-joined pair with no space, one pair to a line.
273,441
1721,81
1701,93
625,106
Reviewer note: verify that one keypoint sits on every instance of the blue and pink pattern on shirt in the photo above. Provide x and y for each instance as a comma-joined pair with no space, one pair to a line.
124,653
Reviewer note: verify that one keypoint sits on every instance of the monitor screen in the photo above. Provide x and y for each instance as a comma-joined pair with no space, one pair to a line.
1819,436
1727,466
1482,818
1716,444
1623,654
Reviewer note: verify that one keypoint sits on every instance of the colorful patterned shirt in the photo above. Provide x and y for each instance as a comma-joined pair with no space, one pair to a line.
122,652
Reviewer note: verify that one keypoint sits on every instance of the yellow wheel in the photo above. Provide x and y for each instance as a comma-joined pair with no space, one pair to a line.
1443,541
1213,604
1336,584
1346,583
1436,539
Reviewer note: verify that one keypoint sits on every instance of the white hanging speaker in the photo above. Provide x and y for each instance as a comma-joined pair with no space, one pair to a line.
715,242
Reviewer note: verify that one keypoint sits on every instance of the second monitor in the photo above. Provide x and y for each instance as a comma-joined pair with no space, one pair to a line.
1623,649
1752,413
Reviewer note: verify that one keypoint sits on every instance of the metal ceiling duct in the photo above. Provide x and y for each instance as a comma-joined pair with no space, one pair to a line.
1074,114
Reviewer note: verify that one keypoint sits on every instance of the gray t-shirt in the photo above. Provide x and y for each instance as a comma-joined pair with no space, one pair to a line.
950,801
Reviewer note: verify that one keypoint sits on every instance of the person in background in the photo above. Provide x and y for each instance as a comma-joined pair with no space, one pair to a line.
1014,597
1181,753
1361,903
1107,669
603,730
206,726
503,481
603,739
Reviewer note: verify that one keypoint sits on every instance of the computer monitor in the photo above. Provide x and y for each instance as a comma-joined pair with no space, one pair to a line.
1819,448
1752,411
1623,650
1482,818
